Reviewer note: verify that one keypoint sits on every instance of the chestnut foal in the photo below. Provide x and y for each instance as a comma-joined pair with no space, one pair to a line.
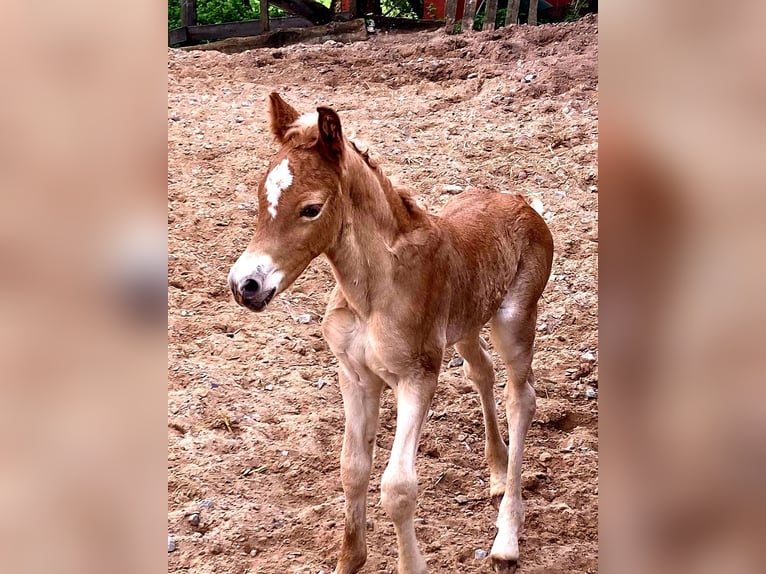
408,285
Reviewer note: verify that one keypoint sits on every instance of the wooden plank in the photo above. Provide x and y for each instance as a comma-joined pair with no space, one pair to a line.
177,36
489,15
532,19
449,16
265,15
404,24
241,29
188,12
289,22
512,16
469,11
352,31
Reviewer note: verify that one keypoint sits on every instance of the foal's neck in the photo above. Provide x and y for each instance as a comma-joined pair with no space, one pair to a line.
377,218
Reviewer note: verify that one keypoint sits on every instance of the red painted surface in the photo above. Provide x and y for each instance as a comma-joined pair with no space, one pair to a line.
439,8
559,7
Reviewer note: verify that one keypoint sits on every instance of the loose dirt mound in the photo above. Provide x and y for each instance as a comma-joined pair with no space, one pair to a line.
254,412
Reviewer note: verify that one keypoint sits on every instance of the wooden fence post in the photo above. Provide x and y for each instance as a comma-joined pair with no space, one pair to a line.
265,15
512,15
449,16
188,12
489,15
469,11
532,18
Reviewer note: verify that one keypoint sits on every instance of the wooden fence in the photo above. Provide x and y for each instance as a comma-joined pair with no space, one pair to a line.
308,14
454,24
190,32
304,15
196,33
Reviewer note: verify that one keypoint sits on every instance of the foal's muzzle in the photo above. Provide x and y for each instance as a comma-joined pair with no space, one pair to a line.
250,292
254,280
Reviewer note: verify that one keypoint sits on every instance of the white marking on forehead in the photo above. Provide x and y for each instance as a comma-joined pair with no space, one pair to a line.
277,181
307,120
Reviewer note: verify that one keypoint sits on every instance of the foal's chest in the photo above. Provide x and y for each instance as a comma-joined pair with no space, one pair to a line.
364,350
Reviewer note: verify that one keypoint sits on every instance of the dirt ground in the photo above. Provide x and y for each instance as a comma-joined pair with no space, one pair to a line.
254,412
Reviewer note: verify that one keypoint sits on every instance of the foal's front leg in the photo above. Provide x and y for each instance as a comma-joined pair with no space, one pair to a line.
361,403
399,486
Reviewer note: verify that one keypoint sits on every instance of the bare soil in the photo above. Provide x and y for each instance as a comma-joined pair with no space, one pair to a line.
254,412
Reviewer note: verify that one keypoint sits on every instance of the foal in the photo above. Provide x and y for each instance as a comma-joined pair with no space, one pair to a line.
408,285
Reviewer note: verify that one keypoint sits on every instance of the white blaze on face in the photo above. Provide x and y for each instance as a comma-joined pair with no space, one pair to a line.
277,181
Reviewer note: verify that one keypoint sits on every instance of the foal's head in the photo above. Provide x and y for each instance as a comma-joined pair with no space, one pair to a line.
299,204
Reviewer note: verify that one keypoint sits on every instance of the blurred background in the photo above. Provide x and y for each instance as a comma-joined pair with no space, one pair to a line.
683,455
83,287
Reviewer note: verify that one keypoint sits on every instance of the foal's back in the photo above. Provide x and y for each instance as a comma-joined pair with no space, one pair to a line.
500,244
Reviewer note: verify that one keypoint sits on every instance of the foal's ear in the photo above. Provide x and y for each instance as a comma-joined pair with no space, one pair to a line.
330,133
281,116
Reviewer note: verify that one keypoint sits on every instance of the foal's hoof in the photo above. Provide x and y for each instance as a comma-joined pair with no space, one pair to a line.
350,565
504,566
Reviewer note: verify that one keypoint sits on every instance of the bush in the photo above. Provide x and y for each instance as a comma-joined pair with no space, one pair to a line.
215,11
576,10
397,9
174,14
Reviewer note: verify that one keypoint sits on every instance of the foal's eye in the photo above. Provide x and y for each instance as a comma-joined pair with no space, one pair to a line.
311,211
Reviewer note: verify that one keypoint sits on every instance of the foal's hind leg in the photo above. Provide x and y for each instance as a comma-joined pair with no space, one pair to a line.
513,334
480,371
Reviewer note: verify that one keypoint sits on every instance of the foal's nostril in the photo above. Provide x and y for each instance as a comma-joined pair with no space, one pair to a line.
249,288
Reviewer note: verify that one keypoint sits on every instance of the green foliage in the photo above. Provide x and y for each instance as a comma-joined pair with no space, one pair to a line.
542,18
575,10
398,9
174,14
500,18
478,21
220,11
274,12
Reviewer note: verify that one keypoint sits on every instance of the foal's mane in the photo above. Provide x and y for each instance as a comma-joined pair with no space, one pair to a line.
304,134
